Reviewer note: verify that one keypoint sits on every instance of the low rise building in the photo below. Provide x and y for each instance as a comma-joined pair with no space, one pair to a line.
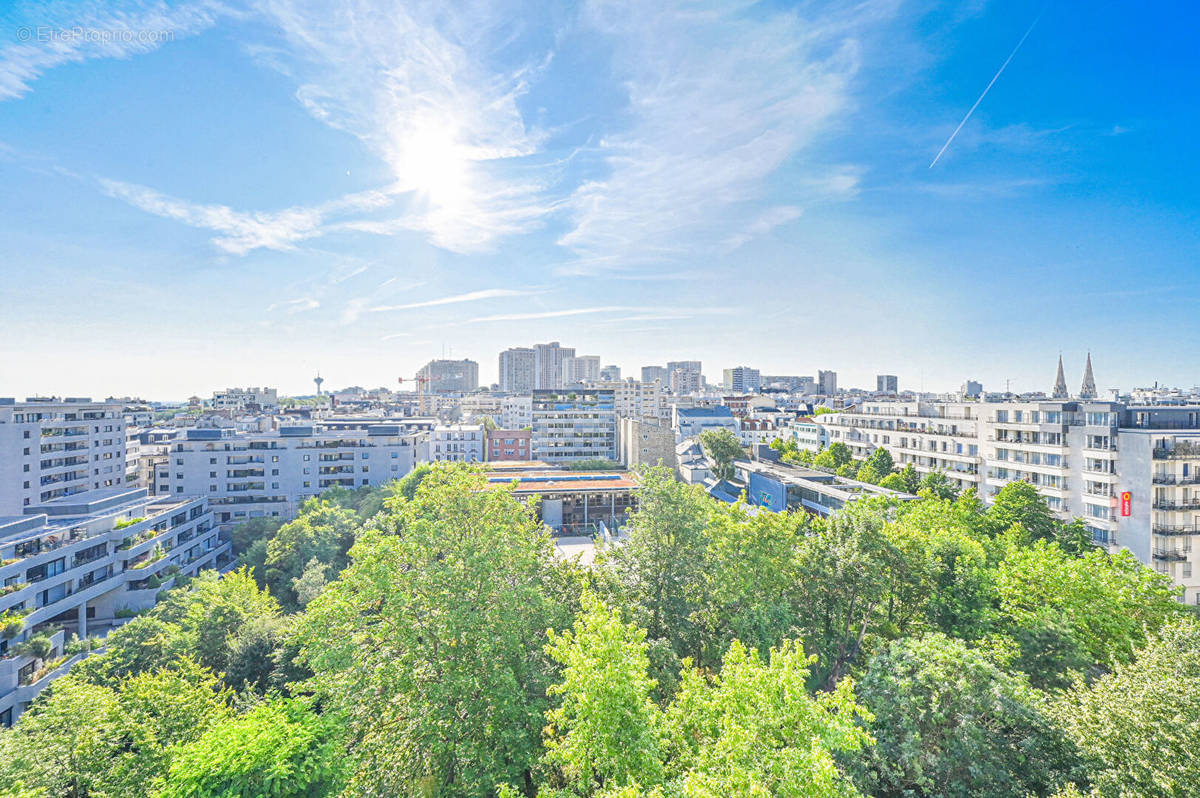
573,503
688,422
645,442
457,443
509,445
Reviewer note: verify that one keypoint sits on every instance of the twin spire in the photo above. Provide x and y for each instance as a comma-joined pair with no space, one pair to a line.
1086,391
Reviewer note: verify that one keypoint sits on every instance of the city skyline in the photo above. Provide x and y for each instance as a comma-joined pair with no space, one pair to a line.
252,196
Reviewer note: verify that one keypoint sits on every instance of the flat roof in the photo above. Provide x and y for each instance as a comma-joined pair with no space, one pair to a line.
88,502
557,481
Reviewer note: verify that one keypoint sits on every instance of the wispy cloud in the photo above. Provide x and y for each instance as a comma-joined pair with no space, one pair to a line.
720,98
51,34
240,231
471,296
556,314
293,306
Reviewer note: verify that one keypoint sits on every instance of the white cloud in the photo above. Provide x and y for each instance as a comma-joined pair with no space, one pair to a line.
417,83
49,35
472,296
556,314
242,231
720,98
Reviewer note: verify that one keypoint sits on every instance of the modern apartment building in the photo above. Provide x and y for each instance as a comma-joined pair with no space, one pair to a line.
689,422
450,376
1128,472
251,475
633,399
72,563
610,374
684,377
886,383
51,448
516,412
575,424
548,365
457,443
742,379
827,383
652,373
581,369
517,370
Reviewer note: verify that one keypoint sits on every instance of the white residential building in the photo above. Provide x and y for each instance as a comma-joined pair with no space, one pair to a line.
457,443
57,447
742,379
251,475
72,563
610,374
517,370
516,412
548,365
581,369
638,399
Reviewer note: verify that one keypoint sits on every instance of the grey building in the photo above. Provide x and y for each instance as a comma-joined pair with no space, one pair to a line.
450,376
610,374
827,383
574,424
548,365
652,373
742,379
886,383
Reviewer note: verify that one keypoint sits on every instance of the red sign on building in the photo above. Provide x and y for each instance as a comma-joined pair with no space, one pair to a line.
1126,503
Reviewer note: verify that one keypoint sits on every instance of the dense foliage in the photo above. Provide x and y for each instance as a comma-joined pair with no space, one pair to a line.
424,640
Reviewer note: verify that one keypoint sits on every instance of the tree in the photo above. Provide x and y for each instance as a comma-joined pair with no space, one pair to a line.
1108,604
84,739
310,581
323,531
661,562
1138,726
937,485
950,722
1019,503
894,482
278,749
723,447
912,480
881,461
442,626
755,730
867,473
604,733
835,456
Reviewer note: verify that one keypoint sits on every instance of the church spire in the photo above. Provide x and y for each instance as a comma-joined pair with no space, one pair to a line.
1088,390
1060,383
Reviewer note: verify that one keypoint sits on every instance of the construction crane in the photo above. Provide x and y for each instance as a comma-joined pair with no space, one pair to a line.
420,381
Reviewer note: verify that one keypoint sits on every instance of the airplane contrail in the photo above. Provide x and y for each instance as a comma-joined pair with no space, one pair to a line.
991,83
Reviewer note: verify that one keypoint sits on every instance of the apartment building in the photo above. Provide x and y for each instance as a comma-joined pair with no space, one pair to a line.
610,374
506,445
52,447
1128,472
517,370
581,369
827,383
576,424
252,475
633,399
450,376
684,377
689,422
742,379
548,365
886,383
516,412
652,373
71,564
457,443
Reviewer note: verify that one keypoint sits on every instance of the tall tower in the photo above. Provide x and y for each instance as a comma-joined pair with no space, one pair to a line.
1088,389
318,380
1060,383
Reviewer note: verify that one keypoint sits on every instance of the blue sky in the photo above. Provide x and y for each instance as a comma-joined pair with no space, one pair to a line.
205,194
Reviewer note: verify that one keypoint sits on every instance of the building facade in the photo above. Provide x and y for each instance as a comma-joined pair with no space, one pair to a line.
548,365
576,424
509,445
457,443
517,370
645,442
610,374
450,376
652,373
73,563
886,383
827,383
51,448
581,369
742,379
253,475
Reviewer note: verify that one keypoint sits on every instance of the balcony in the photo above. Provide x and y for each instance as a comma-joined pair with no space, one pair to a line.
1172,479
1179,452
1174,555
1173,506
1170,529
